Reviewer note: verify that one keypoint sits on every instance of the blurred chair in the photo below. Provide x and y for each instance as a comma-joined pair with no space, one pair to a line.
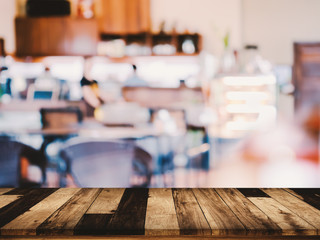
306,73
11,154
99,163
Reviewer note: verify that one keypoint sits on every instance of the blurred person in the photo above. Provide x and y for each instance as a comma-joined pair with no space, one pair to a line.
134,80
90,89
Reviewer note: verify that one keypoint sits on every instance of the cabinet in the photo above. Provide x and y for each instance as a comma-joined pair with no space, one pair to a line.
43,36
123,16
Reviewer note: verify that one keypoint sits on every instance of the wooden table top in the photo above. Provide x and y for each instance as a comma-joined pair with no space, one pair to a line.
160,213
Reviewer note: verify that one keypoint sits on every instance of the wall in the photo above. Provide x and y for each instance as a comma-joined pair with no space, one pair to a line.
275,24
211,18
7,14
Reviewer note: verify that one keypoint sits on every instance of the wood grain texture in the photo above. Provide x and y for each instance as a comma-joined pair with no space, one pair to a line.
297,206
289,223
310,196
30,220
6,199
93,224
255,221
4,190
18,207
221,219
129,219
160,213
190,216
161,218
64,220
107,201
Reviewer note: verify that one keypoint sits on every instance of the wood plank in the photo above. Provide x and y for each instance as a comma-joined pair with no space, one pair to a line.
221,219
309,195
255,221
161,218
4,190
93,224
129,219
293,193
64,220
18,191
18,207
107,201
27,223
6,199
297,206
290,223
190,216
252,192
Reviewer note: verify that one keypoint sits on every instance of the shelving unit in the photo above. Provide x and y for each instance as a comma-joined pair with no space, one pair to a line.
153,39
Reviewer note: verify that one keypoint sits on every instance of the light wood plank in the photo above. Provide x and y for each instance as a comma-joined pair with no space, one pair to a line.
190,217
221,219
293,193
6,199
290,223
27,223
161,218
255,221
66,218
107,201
4,190
297,206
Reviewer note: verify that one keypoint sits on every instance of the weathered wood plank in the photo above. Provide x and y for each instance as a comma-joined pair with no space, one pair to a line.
4,190
221,219
292,193
309,195
252,192
93,224
296,205
18,191
290,223
21,205
129,219
6,199
190,216
255,221
64,220
27,223
107,201
161,218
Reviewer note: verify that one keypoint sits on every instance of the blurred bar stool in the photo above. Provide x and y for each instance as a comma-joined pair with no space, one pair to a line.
16,160
100,163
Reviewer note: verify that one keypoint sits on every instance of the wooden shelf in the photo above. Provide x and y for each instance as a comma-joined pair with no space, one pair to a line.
54,36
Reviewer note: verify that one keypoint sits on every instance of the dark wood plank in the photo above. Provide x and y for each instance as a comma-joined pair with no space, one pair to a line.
255,221
309,195
190,216
18,207
27,223
296,205
221,219
129,219
18,191
161,218
93,224
252,192
64,220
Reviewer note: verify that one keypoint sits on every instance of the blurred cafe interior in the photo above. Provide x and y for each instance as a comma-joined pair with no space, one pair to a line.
159,93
